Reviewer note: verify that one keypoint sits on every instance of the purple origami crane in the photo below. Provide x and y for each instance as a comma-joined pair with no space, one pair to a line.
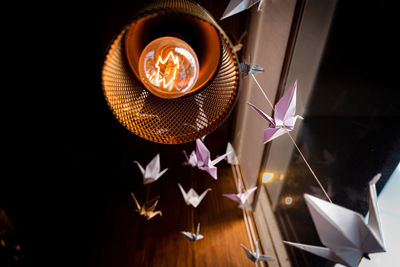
240,197
201,159
284,117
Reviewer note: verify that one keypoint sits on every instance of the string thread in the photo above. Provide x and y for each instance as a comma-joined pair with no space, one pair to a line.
294,143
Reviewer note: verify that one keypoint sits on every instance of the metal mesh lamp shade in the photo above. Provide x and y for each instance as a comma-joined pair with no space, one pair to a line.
180,119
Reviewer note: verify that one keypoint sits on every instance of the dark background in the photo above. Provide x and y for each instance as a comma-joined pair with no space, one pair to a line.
62,146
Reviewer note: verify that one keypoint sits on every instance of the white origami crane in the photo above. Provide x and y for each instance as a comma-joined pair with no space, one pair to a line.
284,117
344,233
255,256
231,157
241,198
152,172
191,197
193,236
201,159
147,209
236,6
248,68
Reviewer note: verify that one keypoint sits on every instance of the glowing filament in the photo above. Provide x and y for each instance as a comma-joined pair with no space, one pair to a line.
167,69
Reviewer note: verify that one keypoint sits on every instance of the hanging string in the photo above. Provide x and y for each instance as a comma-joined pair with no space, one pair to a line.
294,143
193,230
191,207
148,192
236,178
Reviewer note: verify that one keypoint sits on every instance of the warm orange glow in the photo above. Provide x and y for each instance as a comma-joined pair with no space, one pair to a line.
168,67
267,177
288,200
281,176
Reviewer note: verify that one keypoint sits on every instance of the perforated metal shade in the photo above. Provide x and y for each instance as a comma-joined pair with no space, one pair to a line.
179,120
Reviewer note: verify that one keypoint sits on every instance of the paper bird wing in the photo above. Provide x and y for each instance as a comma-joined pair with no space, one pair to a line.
233,197
236,6
185,196
218,159
376,242
249,254
255,68
150,205
262,114
137,203
211,171
198,237
189,235
151,214
153,168
272,133
265,258
259,5
140,167
285,109
202,153
261,257
191,159
337,227
186,156
249,192
231,158
198,229
323,252
200,198
161,173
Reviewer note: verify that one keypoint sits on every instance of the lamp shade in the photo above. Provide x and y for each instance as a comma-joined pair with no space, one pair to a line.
183,86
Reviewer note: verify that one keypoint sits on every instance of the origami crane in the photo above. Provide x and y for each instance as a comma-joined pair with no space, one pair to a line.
241,198
247,69
236,6
152,172
201,159
239,45
191,197
147,209
231,157
193,236
255,256
284,117
347,238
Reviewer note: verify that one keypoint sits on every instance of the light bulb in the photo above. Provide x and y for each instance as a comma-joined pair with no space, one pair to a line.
168,67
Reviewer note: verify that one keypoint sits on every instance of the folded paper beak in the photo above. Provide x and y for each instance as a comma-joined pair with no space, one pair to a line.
365,255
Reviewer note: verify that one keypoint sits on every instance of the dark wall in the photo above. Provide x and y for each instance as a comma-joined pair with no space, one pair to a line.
63,147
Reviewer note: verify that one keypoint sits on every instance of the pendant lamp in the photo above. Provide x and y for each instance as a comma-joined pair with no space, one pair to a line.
171,76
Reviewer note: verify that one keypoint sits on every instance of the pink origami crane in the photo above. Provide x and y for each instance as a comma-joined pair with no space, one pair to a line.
201,159
284,117
241,198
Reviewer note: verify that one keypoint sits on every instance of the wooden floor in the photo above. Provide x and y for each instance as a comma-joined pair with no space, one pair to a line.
126,239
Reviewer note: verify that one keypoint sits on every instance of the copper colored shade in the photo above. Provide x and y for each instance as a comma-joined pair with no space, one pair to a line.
179,120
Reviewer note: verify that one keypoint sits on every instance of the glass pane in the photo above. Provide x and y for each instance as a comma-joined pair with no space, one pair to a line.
351,127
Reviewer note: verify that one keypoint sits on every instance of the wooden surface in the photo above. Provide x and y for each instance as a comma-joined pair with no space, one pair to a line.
126,239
